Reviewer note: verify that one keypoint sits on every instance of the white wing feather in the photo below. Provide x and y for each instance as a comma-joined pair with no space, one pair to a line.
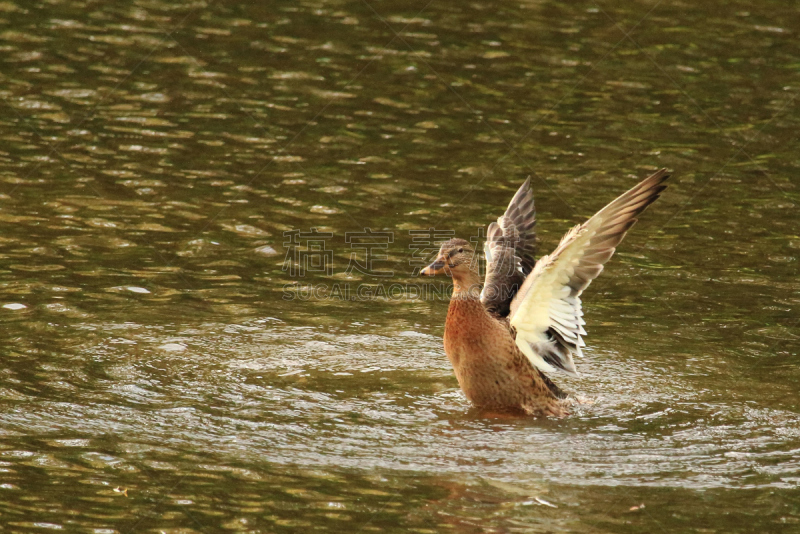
546,312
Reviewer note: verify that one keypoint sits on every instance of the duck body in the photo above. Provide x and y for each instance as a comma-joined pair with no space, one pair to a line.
526,319
492,372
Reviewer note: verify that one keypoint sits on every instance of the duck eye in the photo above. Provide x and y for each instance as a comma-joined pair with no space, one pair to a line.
460,250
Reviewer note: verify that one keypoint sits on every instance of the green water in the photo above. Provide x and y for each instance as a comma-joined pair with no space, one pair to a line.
163,371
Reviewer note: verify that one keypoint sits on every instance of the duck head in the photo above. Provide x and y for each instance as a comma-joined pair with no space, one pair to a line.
456,259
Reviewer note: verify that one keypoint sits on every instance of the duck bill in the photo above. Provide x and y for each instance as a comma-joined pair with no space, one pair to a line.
437,267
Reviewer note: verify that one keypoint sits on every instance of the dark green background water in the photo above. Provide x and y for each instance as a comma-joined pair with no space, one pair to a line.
152,155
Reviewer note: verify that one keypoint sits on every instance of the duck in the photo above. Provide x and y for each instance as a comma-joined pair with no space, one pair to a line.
503,335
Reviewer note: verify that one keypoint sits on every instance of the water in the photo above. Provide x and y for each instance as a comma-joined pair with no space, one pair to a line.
164,371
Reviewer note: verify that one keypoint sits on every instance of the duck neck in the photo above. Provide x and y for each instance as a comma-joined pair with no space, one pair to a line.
466,285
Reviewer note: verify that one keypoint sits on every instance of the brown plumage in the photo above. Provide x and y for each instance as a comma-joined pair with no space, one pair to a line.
528,318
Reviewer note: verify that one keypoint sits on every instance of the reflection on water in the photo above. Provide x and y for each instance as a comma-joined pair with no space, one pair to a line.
156,158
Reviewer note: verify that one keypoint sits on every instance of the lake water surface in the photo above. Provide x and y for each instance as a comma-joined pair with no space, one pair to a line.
167,368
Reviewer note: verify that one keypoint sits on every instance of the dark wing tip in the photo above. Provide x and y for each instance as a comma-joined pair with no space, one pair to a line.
655,184
659,177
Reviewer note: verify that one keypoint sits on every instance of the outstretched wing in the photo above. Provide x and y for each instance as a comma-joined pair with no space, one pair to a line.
546,312
510,249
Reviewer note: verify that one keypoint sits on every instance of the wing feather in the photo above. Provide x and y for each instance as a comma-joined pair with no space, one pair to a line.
546,311
510,251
